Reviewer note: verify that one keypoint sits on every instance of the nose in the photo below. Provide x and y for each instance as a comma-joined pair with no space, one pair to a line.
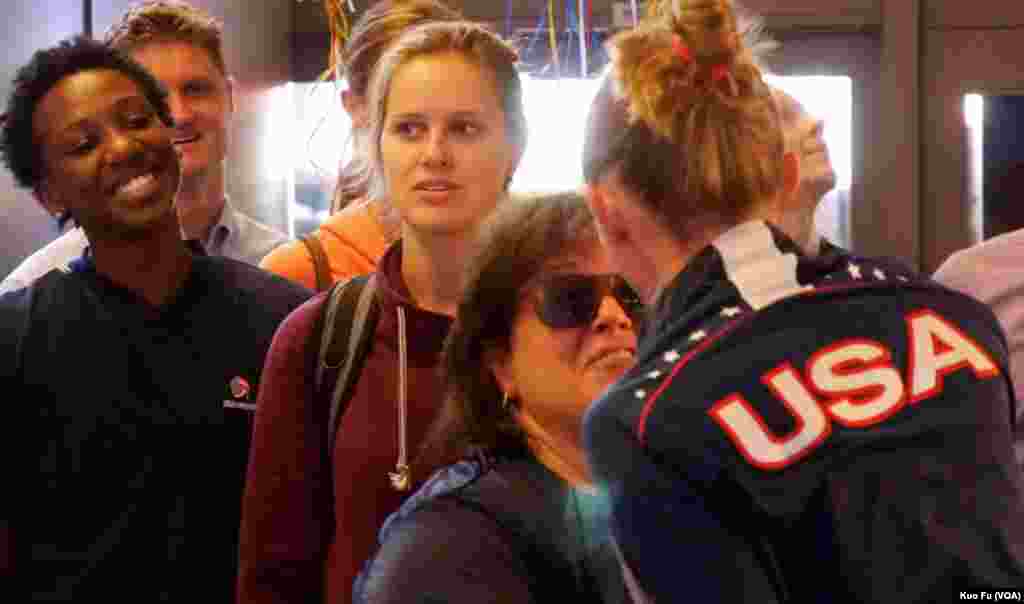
611,315
123,146
181,110
437,153
819,128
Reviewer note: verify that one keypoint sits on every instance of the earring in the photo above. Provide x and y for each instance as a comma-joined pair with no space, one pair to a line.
505,402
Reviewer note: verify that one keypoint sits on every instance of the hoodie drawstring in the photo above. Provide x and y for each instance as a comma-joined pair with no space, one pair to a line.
400,478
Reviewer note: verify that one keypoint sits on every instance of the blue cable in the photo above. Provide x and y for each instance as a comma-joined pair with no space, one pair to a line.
537,32
508,20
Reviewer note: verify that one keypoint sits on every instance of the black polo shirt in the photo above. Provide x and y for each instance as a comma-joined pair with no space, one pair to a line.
126,430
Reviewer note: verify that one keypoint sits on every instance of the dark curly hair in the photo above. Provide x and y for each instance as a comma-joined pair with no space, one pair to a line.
47,67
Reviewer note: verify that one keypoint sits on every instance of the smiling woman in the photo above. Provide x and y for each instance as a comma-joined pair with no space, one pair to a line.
117,165
75,133
518,510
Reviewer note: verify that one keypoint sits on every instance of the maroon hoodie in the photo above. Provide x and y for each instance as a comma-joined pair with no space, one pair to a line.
301,542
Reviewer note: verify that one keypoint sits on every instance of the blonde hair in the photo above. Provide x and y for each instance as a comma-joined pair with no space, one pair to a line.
700,136
473,42
168,20
354,55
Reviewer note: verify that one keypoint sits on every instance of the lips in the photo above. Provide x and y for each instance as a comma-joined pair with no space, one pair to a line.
137,188
436,185
615,356
184,140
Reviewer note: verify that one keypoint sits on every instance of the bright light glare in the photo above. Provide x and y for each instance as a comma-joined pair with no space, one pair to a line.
322,129
556,112
974,110
282,115
829,98
974,116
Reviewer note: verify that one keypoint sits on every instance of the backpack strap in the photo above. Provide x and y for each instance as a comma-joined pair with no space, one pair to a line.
349,322
321,266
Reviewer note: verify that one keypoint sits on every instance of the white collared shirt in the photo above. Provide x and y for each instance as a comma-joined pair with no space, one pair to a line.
234,236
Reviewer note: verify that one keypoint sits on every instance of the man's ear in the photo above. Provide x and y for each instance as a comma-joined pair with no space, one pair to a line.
46,199
231,93
517,156
790,174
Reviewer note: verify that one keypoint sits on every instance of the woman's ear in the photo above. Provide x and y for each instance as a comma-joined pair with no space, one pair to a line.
499,362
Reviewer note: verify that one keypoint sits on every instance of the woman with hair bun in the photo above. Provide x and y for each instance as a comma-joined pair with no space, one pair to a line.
799,429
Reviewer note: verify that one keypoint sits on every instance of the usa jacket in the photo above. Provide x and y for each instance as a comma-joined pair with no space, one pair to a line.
812,429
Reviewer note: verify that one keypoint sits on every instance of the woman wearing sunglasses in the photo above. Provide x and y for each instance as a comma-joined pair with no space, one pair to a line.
543,328
799,429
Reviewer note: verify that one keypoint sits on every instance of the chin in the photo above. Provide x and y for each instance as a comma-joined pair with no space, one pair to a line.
442,223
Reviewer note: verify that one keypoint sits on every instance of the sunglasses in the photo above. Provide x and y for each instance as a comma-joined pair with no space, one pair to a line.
571,300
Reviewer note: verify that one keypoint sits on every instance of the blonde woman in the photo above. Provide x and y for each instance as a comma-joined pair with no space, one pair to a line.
447,131
797,428
354,238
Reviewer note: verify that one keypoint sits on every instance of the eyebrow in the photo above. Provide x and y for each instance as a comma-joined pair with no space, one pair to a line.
423,116
563,266
115,106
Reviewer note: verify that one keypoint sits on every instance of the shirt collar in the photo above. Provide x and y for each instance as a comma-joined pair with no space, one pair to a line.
223,230
86,262
707,270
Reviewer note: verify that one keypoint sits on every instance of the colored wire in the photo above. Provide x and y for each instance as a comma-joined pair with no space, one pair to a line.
583,41
541,23
553,35
508,20
340,28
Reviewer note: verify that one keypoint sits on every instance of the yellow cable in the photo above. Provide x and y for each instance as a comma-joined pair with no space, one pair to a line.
553,35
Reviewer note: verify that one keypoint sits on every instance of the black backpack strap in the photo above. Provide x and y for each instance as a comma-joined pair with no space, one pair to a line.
349,322
321,266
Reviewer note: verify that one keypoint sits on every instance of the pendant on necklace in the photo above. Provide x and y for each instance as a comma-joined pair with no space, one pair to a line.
400,478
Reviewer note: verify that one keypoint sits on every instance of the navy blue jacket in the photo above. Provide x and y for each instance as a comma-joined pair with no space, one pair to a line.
490,531
126,432
829,429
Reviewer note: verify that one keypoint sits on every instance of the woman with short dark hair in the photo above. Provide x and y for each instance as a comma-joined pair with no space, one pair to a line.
542,329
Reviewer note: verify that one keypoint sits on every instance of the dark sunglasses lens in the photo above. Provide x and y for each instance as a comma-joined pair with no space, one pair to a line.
629,300
570,301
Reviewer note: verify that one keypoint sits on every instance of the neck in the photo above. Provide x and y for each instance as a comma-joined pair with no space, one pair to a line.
558,452
154,266
199,202
387,217
661,257
798,224
432,268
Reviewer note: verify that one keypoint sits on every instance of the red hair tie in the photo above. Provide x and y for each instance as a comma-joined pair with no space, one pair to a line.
719,72
681,49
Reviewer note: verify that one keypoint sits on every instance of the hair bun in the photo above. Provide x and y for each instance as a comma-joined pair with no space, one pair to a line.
709,26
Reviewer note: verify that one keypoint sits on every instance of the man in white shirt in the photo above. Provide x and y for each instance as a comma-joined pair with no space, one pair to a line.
181,46
993,272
